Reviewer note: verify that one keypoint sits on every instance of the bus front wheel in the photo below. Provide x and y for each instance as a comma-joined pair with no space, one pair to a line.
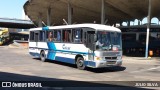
43,56
80,63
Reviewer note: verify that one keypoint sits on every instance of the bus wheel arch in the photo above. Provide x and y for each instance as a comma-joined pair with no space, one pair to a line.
79,60
43,56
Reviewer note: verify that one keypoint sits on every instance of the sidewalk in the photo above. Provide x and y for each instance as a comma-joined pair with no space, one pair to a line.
141,60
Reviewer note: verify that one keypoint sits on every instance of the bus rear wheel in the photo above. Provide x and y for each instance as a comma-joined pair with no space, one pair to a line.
80,63
43,56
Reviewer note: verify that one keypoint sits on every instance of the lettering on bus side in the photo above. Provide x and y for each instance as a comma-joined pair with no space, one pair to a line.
65,47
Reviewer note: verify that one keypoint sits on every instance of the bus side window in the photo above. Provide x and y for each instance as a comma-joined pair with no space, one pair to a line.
46,35
57,35
66,35
31,36
41,36
50,36
85,37
77,35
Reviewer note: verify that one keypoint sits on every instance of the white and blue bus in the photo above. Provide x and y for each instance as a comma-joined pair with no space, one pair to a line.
86,45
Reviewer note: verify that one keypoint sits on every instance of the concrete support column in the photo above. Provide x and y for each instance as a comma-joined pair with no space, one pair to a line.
120,23
103,12
48,16
40,20
137,36
70,12
139,22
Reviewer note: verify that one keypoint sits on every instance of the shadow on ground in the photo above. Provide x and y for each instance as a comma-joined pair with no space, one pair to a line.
95,70
107,69
61,84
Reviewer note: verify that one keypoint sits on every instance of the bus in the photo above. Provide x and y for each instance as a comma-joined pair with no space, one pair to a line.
4,36
85,45
134,40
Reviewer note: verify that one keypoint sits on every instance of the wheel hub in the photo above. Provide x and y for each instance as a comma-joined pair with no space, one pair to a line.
80,63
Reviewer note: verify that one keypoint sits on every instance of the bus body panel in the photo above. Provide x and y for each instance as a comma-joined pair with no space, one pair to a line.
59,53
67,52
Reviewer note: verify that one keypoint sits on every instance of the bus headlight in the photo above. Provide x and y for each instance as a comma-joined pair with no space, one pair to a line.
98,58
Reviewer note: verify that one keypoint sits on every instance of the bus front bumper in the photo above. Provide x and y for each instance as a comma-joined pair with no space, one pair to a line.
103,63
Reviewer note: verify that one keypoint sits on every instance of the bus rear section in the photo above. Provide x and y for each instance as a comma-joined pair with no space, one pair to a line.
83,45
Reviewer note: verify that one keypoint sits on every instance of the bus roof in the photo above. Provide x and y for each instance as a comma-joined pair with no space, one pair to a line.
99,27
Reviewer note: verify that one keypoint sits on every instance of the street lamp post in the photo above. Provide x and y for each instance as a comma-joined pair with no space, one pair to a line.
148,28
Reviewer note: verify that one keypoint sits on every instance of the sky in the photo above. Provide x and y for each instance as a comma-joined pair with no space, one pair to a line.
11,8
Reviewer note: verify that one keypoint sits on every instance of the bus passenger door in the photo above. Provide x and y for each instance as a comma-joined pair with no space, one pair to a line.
90,44
36,41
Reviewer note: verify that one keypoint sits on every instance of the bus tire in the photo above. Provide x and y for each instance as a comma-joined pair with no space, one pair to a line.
80,63
43,56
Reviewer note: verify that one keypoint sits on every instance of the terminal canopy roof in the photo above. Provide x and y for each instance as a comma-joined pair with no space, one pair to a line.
88,11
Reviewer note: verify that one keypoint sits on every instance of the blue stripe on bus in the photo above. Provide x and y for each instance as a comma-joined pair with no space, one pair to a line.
54,50
51,46
63,59
34,54
73,52
45,28
90,63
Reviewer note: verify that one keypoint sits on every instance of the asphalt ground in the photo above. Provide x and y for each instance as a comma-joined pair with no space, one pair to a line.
17,65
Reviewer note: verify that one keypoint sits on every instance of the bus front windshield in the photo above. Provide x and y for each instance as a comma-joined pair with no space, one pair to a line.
108,41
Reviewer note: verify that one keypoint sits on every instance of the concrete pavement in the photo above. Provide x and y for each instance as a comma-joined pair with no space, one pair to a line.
17,61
